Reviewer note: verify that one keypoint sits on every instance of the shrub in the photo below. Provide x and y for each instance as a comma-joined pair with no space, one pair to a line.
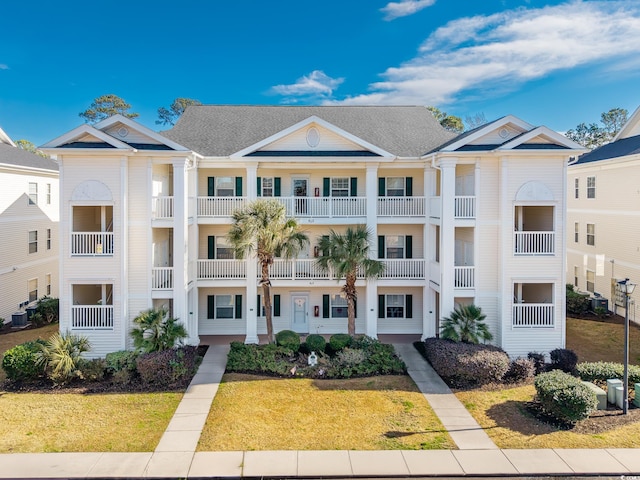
155,331
60,356
288,339
168,368
350,356
91,370
121,360
577,303
563,359
520,370
20,362
269,358
49,309
602,371
564,397
538,361
339,341
466,362
316,343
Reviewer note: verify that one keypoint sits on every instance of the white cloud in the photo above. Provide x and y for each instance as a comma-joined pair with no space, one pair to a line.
506,49
315,85
403,8
4,66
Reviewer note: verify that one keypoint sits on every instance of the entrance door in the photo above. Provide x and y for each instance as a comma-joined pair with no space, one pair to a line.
300,317
300,191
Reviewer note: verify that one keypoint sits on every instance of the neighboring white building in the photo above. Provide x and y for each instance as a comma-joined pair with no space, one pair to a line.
28,228
603,219
477,218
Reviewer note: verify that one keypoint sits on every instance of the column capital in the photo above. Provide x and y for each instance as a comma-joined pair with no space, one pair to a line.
449,162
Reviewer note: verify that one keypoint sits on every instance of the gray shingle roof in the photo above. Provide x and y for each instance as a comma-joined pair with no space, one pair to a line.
221,130
17,156
619,148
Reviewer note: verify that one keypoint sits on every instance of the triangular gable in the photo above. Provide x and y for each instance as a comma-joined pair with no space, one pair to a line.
631,128
541,138
494,133
133,132
301,138
88,134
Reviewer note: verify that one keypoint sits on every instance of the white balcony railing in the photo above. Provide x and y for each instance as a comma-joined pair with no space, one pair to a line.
92,317
401,206
92,243
162,278
464,277
161,207
296,269
219,206
465,206
530,315
208,269
403,269
324,207
534,243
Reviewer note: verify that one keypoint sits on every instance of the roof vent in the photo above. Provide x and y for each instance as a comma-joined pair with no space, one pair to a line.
122,132
313,137
503,132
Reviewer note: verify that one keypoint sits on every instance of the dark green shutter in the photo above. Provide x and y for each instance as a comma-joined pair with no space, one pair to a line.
354,187
238,306
211,306
325,239
211,247
259,181
258,304
408,308
380,246
408,182
382,187
238,186
276,186
325,306
408,246
381,312
211,186
326,187
276,305
355,308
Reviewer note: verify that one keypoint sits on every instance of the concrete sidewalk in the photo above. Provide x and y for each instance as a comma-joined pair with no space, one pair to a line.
175,455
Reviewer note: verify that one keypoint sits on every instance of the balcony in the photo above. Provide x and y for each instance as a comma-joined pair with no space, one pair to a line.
92,243
400,269
534,243
465,207
533,315
92,317
162,278
324,207
226,269
219,206
401,206
161,208
306,269
464,277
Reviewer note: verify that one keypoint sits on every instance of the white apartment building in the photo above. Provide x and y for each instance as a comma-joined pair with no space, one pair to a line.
28,228
476,218
603,219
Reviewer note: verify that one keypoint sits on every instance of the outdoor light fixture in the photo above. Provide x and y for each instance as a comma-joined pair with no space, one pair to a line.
627,288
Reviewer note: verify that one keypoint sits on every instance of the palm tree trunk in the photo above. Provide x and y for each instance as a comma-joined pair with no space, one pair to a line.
266,295
350,293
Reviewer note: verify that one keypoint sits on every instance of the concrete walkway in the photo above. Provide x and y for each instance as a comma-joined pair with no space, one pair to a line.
175,455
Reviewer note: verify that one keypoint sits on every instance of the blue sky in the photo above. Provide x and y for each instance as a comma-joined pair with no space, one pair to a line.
553,63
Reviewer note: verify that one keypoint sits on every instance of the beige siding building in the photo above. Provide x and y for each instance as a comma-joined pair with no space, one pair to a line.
603,219
29,239
476,218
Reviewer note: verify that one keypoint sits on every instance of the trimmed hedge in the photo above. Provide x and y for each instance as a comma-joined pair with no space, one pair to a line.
339,341
603,371
20,362
288,339
315,343
272,359
564,396
467,363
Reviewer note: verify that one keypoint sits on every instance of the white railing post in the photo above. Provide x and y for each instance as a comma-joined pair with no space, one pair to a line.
534,243
539,315
465,206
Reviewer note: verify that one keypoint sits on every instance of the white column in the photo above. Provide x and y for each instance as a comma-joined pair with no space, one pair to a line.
428,314
371,312
252,181
447,235
124,259
252,266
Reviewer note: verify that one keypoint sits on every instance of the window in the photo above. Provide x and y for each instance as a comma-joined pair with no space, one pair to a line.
395,187
338,306
33,241
225,187
340,187
591,281
224,306
33,290
576,186
267,186
395,306
591,234
219,248
33,193
591,187
48,239
576,271
395,246
48,280
576,232
48,194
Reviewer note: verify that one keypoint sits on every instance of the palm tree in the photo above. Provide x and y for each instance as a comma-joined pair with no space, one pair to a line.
262,227
466,324
345,255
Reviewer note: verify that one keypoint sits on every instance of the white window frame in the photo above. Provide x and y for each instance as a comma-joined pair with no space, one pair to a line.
32,288
591,283
576,232
33,241
576,186
397,190
223,190
48,194
401,246
231,306
340,187
267,185
338,302
33,193
591,187
395,309
591,236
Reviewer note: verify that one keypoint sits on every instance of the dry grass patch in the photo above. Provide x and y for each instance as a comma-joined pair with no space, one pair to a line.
374,413
10,340
64,422
503,415
595,341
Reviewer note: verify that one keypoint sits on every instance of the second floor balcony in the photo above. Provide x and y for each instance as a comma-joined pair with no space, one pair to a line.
92,317
534,243
162,208
92,243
